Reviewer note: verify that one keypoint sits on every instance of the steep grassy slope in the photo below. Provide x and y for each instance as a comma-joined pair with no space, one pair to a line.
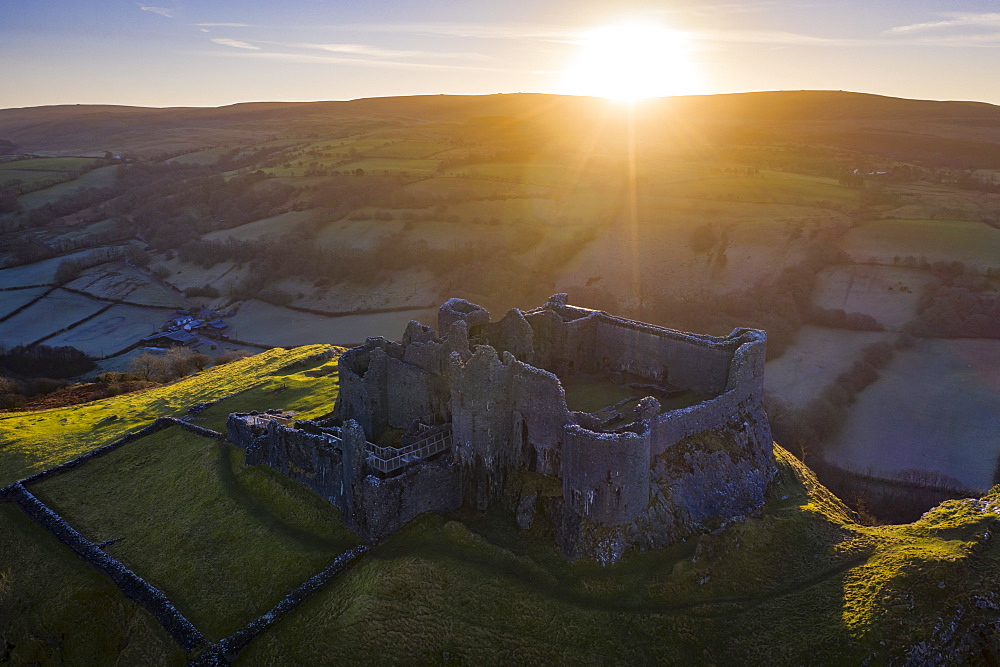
33,441
798,582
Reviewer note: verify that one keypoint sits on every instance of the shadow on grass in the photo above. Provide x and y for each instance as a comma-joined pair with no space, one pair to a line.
251,503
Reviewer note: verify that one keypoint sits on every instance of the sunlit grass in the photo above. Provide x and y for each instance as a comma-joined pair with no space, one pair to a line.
33,441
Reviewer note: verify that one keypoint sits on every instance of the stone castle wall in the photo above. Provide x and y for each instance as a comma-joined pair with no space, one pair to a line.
497,385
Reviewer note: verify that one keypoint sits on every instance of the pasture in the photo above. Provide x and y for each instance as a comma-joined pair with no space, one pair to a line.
54,607
57,310
888,293
96,178
885,241
454,187
113,330
263,323
126,283
225,542
36,273
817,356
935,409
772,187
274,226
14,299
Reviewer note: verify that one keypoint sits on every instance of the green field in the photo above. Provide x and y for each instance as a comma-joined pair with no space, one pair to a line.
55,608
770,187
275,226
882,241
34,441
96,178
225,542
935,408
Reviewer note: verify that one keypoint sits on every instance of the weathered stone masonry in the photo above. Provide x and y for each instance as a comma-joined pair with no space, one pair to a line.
457,411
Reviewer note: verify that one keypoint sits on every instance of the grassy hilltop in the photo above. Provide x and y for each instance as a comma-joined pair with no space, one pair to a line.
799,582
862,232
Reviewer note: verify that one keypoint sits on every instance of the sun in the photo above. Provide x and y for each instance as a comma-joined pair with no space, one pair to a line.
632,62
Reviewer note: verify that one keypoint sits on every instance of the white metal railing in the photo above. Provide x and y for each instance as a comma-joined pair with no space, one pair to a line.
261,421
390,459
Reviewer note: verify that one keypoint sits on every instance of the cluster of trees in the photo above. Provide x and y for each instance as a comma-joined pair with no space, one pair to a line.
14,394
958,306
29,372
170,213
45,361
178,362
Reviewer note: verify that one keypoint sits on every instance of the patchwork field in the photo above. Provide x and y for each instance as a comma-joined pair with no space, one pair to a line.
49,315
259,322
14,299
882,241
935,408
813,361
453,186
125,283
888,293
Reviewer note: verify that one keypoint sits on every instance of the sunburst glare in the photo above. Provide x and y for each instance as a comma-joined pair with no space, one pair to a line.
631,62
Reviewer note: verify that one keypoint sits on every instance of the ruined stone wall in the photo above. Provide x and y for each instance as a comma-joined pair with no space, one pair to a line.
511,334
312,459
700,364
606,475
538,405
481,423
386,505
411,396
700,484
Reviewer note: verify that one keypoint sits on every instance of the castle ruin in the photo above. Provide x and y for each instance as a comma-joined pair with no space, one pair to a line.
652,434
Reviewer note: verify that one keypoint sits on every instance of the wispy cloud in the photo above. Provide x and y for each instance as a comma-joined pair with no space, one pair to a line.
359,62
990,20
776,38
367,50
223,25
235,43
162,11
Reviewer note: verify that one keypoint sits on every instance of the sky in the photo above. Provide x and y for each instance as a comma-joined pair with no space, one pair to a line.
217,52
